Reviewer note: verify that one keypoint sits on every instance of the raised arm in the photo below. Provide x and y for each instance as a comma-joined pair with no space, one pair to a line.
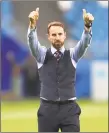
78,51
36,49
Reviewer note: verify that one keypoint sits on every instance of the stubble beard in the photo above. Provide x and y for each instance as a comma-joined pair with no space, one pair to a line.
57,45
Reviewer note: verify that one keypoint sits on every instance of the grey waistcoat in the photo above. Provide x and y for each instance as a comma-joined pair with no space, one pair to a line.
57,78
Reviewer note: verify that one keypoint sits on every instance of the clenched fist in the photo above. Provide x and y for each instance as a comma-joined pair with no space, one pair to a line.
88,18
33,17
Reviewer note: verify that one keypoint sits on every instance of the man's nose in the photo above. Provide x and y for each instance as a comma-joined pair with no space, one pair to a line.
57,37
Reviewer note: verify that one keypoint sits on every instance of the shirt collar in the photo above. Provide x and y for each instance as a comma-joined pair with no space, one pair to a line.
53,50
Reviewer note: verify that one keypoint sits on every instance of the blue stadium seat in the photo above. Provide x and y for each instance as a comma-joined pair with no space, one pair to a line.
99,28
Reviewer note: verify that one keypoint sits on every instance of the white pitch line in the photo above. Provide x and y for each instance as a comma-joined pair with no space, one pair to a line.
27,114
32,114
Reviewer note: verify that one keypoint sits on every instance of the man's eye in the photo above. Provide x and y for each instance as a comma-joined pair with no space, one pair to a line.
60,34
53,34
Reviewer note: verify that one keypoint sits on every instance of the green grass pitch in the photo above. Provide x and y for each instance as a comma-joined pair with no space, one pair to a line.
21,116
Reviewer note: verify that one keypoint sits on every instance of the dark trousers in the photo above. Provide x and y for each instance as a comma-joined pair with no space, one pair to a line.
55,116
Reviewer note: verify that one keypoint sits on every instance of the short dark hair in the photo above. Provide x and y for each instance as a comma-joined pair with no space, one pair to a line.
55,23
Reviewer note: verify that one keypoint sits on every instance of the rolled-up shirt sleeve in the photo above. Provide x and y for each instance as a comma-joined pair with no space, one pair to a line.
79,50
35,47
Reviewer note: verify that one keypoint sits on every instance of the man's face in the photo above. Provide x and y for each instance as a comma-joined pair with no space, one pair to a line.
57,36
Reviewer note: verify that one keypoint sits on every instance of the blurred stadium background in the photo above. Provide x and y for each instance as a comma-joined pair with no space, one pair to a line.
20,84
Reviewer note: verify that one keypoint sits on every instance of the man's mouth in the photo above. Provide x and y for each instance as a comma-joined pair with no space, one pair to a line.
57,42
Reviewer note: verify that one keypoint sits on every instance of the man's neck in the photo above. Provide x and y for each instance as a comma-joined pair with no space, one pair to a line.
53,49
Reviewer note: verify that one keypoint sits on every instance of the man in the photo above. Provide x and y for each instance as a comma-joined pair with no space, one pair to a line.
57,68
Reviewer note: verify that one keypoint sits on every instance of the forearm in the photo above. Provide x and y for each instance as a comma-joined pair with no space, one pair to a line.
85,41
82,45
32,41
36,49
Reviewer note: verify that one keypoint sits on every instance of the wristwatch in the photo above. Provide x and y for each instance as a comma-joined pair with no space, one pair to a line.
88,25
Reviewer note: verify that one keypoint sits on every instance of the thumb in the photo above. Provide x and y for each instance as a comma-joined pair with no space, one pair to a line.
84,12
37,9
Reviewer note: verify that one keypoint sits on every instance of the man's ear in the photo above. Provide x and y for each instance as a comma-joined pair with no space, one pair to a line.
48,36
65,35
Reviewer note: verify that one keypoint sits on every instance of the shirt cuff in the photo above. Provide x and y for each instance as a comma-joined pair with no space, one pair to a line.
88,32
30,31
